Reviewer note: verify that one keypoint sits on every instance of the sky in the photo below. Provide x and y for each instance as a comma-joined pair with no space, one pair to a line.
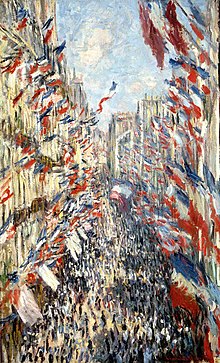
105,44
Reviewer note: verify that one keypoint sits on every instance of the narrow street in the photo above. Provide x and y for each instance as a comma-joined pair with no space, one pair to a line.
112,304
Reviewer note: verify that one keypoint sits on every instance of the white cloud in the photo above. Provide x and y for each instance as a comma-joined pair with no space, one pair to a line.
136,87
93,46
142,84
100,37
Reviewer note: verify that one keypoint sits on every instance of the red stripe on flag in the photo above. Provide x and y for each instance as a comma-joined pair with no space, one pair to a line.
197,31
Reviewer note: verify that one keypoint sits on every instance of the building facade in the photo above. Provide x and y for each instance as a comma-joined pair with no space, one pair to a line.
38,98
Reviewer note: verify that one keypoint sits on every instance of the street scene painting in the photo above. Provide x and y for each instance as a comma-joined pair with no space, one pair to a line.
109,181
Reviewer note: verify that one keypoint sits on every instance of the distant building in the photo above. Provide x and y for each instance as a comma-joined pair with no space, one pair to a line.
120,143
150,106
99,138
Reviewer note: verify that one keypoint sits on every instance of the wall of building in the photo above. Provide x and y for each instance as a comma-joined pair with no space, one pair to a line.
22,215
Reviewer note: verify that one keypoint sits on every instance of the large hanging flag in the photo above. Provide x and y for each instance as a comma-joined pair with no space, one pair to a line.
151,34
26,306
48,277
175,31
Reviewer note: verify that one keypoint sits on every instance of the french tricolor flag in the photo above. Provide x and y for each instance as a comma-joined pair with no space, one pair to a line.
47,30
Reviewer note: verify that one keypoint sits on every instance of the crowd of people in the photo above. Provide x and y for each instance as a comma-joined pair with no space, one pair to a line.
112,304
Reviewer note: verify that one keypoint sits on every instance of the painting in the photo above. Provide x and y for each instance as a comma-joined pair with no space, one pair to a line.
109,181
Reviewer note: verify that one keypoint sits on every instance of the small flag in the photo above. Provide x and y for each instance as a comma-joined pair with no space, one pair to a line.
113,86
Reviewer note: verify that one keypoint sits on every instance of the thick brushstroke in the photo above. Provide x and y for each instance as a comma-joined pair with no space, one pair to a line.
152,36
175,31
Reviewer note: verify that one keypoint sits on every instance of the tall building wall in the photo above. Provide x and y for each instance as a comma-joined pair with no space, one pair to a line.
20,129
20,122
212,107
